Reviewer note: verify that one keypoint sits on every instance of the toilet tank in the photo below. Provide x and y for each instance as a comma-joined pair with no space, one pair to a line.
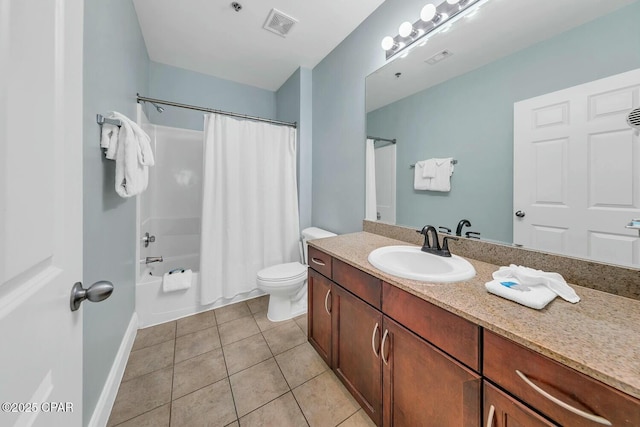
310,234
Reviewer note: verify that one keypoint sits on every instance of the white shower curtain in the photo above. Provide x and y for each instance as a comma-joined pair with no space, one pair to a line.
371,209
250,204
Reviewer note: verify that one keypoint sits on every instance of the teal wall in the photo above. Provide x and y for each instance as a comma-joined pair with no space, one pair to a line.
293,104
115,68
471,118
339,118
189,87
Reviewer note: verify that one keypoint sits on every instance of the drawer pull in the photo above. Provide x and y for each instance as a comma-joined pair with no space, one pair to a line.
588,416
318,261
384,339
326,302
373,340
492,411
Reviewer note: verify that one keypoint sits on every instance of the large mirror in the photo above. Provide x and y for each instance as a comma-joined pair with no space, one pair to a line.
460,104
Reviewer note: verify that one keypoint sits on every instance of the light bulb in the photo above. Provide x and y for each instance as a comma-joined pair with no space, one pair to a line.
428,12
387,43
453,1
405,29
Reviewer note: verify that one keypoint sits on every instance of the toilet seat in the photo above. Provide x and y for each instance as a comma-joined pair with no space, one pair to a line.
282,274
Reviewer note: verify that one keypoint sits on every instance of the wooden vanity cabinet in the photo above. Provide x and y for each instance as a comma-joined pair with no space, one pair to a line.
319,314
502,410
423,386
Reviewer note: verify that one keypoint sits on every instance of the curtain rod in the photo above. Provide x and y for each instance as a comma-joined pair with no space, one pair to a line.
211,110
375,138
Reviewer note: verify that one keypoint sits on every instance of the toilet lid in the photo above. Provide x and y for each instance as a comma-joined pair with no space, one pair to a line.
282,272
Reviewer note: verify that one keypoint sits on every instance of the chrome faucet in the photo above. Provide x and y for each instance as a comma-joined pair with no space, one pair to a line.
432,245
152,259
461,224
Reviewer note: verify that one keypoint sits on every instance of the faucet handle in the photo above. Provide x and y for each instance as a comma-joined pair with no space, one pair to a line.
472,235
444,230
445,245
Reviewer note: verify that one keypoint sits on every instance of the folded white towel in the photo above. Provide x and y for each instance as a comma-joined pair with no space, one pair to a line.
177,280
531,277
133,157
420,182
537,296
429,168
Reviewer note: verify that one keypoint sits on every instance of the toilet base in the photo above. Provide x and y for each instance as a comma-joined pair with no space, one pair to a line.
283,308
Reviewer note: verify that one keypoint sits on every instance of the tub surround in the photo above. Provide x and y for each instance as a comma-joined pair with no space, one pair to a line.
598,336
613,279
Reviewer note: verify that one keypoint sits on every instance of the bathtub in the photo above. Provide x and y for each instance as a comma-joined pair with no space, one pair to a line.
178,242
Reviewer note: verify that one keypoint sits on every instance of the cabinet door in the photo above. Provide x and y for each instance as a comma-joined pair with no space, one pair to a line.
319,311
423,386
356,350
502,410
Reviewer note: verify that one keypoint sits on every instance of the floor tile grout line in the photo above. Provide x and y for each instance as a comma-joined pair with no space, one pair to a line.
262,406
233,398
173,371
291,390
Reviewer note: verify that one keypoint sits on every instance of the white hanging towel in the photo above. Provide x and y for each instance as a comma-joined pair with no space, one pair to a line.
442,180
433,174
420,182
530,287
133,156
429,168
109,140
176,280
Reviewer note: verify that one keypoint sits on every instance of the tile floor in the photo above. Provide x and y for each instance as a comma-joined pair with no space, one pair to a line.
231,367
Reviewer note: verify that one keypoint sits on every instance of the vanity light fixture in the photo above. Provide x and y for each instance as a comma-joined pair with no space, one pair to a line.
431,18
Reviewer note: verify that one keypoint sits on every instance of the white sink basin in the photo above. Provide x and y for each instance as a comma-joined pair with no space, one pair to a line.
410,262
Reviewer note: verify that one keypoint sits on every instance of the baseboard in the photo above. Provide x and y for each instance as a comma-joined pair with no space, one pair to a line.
107,398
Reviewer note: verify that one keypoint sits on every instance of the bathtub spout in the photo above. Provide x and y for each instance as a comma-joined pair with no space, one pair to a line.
151,259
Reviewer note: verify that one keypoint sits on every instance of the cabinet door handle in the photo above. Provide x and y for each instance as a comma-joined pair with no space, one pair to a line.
318,261
326,301
492,411
373,340
588,416
384,339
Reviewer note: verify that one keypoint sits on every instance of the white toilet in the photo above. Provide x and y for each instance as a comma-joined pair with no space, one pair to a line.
286,284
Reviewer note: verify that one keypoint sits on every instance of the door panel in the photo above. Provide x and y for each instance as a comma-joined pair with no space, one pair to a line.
40,210
356,346
425,387
576,169
319,327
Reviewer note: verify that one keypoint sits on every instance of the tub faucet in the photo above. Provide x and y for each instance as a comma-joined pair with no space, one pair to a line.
152,259
461,224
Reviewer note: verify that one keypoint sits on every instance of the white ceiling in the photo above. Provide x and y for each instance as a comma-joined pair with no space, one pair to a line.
499,28
209,37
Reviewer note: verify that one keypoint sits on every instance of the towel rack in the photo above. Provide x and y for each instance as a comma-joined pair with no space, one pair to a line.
453,162
100,119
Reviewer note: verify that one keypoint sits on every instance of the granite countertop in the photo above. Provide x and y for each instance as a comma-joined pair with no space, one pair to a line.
599,336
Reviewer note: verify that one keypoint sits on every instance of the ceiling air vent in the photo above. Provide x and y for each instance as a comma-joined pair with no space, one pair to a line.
279,23
439,57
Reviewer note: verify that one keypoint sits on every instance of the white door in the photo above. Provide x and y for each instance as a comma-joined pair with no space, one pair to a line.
40,211
577,171
386,183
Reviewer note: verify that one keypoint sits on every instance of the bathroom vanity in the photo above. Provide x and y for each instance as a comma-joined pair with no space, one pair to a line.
450,354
